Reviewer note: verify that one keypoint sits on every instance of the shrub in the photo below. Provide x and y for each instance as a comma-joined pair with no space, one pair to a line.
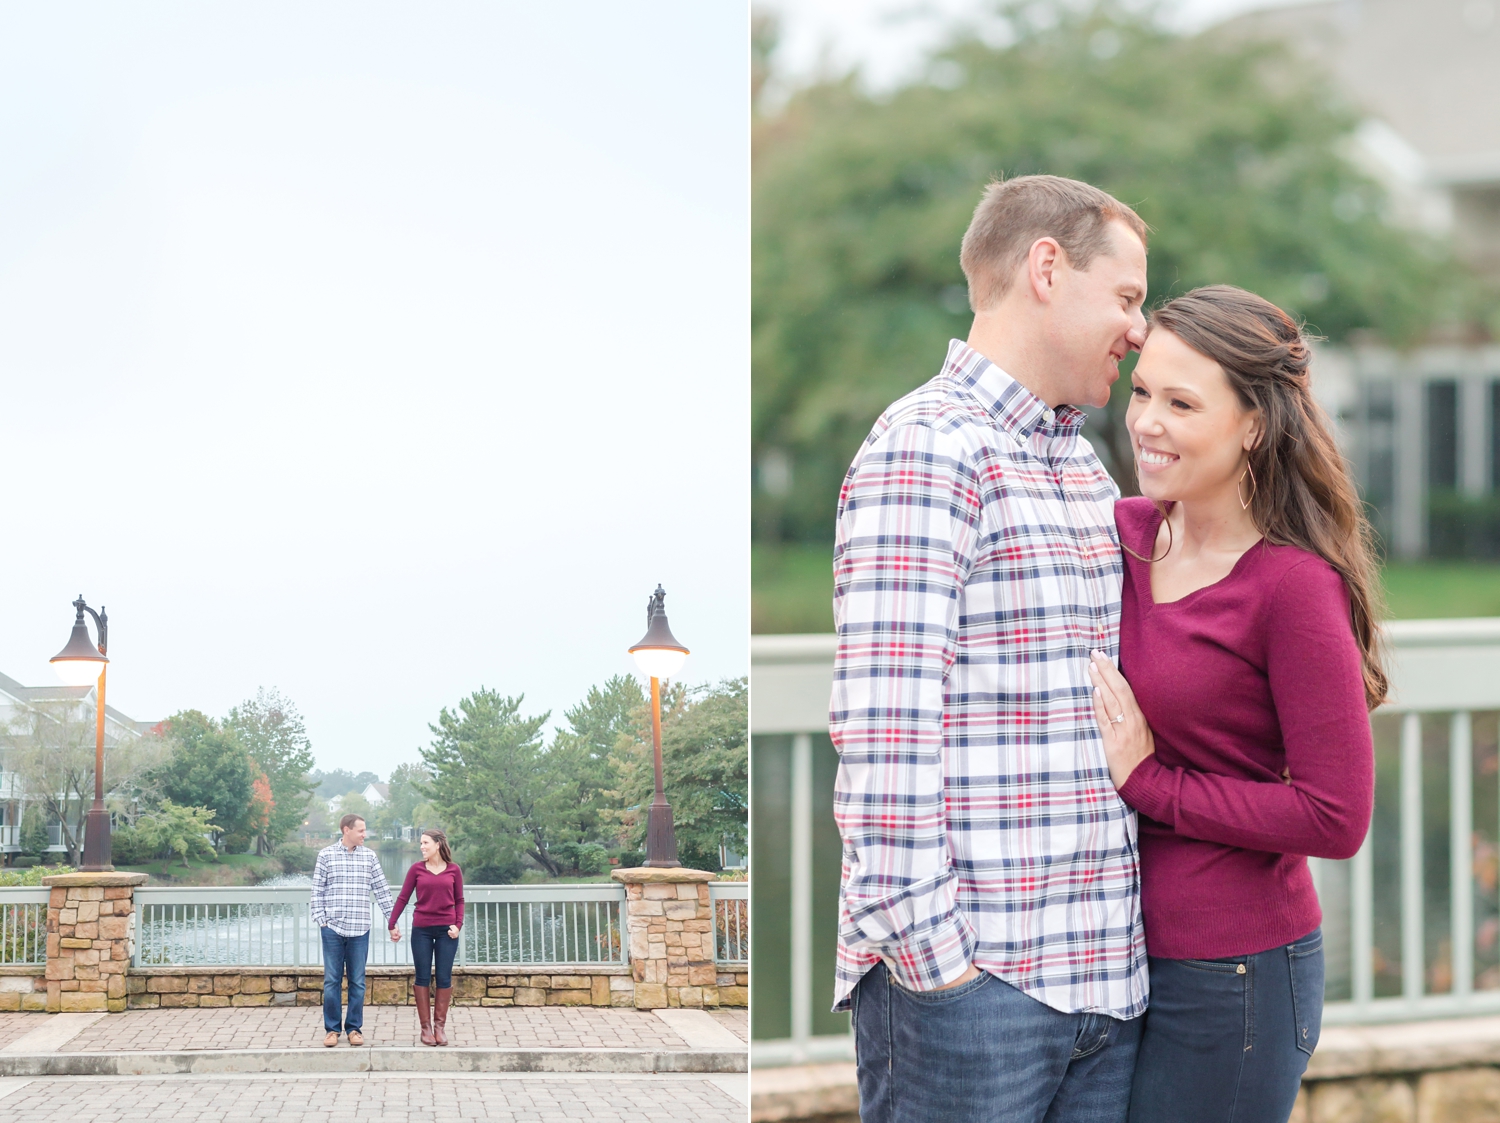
31,876
1460,526
297,857
592,859
128,848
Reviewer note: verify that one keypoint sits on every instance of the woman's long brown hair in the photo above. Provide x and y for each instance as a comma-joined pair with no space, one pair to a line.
441,839
1303,493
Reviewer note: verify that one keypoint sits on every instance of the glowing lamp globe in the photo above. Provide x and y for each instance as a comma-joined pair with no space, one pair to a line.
658,654
79,663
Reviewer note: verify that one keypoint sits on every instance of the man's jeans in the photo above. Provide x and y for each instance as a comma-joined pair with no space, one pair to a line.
344,955
986,1053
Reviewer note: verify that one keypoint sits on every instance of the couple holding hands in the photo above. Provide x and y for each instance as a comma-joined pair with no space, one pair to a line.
343,879
1087,743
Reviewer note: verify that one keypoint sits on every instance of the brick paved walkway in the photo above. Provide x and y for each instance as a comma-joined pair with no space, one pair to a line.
736,1019
378,1100
293,1027
13,1026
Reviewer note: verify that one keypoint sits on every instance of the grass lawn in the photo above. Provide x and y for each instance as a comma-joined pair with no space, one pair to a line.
230,869
1440,589
792,587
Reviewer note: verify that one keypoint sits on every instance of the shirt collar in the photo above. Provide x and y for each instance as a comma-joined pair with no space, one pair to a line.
1014,409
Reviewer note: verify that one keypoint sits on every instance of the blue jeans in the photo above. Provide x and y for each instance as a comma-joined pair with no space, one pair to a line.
344,955
1229,1039
985,1052
427,941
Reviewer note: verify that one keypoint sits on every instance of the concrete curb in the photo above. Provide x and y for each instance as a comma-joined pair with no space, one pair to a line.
416,1060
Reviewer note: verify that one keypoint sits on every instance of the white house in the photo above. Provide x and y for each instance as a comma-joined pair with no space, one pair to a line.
15,700
1427,78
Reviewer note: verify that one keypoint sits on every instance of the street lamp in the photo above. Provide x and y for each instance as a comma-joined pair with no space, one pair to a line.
659,656
78,664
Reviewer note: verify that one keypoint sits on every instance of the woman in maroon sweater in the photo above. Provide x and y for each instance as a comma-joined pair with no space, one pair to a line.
1242,737
439,886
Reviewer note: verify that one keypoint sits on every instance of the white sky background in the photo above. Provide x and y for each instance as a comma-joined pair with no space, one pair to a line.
890,39
375,352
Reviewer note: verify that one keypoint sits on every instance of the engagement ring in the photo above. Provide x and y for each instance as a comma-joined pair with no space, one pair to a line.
1117,720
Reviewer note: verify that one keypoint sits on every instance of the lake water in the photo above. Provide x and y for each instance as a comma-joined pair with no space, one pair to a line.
394,862
280,932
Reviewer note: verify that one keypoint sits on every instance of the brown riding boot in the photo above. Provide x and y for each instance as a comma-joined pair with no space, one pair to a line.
424,1015
444,996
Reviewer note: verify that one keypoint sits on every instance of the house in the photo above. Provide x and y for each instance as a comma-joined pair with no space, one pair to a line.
15,701
1422,428
373,794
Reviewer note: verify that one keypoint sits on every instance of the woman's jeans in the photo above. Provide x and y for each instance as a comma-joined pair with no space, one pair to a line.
344,955
1229,1039
985,1052
428,941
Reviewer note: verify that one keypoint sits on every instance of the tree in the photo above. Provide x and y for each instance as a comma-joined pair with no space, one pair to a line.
330,785
354,803
490,781
50,745
178,830
408,804
705,770
273,733
1232,150
579,758
209,767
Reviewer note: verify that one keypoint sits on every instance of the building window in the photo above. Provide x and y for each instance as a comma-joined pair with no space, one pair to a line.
1442,436
1379,458
1495,436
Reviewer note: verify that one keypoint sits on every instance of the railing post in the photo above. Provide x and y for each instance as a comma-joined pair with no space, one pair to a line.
1461,843
801,882
1362,924
1413,957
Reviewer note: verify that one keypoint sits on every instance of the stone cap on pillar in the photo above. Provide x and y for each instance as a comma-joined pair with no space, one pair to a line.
655,875
108,879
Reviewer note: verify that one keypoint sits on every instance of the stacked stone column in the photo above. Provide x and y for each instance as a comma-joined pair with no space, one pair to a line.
669,921
90,930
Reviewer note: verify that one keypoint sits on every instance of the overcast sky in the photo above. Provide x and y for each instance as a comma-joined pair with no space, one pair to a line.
375,352
889,39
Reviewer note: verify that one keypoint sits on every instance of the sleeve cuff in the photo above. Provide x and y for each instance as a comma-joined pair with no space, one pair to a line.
942,954
1150,790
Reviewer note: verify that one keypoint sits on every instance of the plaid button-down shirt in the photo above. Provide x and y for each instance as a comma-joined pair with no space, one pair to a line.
343,880
976,564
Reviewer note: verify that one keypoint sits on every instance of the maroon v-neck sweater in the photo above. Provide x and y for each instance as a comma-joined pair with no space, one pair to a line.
1253,674
440,896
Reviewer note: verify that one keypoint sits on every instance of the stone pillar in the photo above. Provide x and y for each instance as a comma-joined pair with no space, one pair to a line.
669,921
90,930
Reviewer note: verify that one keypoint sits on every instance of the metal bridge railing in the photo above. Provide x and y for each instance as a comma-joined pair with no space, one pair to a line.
731,901
504,925
23,926
1411,923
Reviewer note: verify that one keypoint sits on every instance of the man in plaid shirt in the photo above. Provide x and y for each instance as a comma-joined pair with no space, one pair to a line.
990,939
346,874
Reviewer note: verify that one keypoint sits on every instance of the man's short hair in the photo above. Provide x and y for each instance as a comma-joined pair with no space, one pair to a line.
349,820
1014,213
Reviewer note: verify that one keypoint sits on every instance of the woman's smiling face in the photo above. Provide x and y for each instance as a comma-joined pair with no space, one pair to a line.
1188,428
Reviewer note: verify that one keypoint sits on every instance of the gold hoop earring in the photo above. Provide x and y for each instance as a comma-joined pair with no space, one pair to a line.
1152,560
1245,503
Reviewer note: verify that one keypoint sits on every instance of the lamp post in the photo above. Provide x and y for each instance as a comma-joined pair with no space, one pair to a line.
659,656
78,664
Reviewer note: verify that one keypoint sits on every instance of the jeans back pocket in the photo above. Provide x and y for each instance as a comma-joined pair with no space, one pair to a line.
1305,959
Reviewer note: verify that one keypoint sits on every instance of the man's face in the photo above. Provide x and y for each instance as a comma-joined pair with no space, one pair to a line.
355,834
1097,318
